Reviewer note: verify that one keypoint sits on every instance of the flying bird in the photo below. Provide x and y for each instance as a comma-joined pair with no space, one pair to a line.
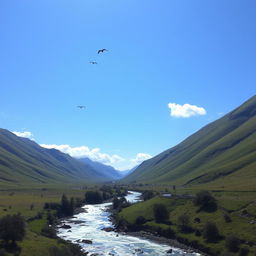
81,107
93,62
102,50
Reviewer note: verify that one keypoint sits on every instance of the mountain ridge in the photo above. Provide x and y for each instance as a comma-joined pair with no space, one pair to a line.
23,161
222,147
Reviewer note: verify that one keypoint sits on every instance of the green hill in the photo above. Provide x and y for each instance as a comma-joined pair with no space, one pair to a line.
24,162
221,155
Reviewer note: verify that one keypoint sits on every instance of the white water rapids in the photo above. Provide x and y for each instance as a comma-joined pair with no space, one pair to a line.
88,226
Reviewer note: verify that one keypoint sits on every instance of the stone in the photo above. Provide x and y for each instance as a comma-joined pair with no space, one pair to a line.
65,226
85,241
108,229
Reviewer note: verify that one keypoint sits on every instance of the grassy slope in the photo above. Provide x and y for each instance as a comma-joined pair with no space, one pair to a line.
22,161
19,201
228,202
221,154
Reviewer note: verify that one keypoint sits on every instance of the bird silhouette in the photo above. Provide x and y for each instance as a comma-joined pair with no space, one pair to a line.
81,107
93,62
102,50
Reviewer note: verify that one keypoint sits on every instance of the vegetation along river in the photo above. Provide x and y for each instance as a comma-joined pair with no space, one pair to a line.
86,227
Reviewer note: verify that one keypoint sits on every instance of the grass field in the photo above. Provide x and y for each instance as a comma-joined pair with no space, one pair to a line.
20,200
239,206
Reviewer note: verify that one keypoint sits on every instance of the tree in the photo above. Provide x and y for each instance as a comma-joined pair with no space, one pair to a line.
243,251
12,228
3,252
93,197
50,218
205,201
32,206
140,220
232,243
65,206
147,194
71,207
116,203
211,232
160,213
48,231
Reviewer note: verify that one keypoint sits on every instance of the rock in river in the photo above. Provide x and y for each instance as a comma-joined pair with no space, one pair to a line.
87,241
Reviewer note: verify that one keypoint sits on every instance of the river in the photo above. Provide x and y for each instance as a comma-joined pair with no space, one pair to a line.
88,225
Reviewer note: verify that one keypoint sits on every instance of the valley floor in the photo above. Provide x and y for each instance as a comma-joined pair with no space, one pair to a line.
235,216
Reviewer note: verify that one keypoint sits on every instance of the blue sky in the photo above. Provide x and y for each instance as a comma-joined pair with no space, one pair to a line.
199,52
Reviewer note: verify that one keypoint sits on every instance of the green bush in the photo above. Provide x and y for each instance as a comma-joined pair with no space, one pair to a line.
211,232
205,201
227,218
68,250
243,251
93,197
12,228
232,243
183,222
147,194
160,213
48,231
2,252
140,220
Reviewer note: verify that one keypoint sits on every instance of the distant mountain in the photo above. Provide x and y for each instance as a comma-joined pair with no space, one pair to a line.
220,155
103,169
127,172
22,161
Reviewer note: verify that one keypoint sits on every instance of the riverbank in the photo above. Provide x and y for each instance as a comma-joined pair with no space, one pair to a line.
94,231
163,240
151,236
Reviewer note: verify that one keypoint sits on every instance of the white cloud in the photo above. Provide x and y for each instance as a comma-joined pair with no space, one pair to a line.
185,110
140,157
25,134
83,151
95,154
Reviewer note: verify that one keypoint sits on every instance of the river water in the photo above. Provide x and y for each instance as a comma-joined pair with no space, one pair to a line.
88,225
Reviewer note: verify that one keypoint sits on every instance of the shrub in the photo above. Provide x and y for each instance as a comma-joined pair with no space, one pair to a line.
2,252
205,201
65,205
211,232
93,197
169,233
243,251
12,228
79,202
183,222
120,203
115,203
147,194
48,231
51,219
198,233
197,220
227,218
55,251
160,213
232,243
140,220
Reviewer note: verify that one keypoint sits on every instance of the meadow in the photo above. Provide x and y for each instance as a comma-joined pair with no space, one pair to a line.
29,203
235,216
